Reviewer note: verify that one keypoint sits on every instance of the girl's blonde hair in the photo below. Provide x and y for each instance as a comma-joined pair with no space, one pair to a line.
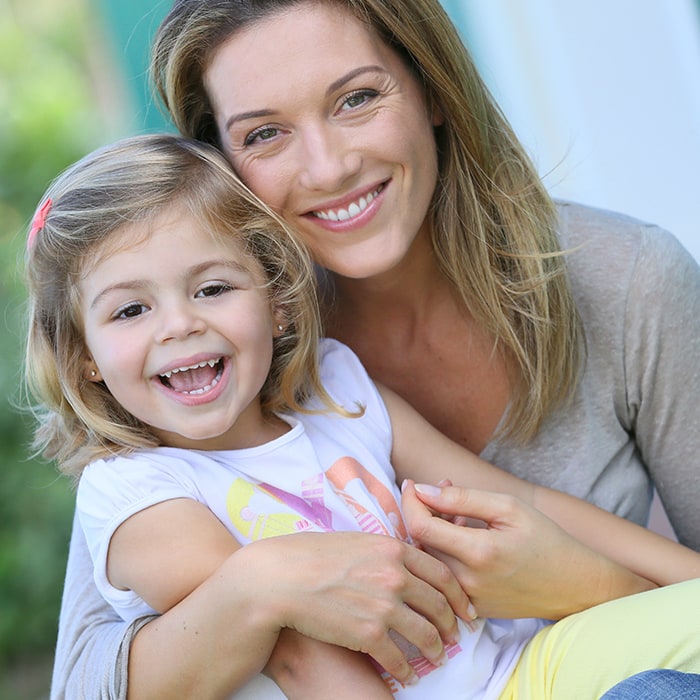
129,182
493,223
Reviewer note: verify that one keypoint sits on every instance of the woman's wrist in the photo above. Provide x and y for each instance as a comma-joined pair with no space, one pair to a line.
600,581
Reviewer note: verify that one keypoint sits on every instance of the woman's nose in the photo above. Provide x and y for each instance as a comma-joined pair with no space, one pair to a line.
327,158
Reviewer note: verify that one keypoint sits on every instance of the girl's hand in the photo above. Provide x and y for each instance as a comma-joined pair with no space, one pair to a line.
521,564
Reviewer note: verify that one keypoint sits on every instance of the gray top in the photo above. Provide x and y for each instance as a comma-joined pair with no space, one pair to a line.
630,425
633,422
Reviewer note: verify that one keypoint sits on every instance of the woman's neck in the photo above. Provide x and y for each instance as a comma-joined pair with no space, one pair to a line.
404,297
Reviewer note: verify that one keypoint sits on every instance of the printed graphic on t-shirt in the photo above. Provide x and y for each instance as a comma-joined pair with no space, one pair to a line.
262,510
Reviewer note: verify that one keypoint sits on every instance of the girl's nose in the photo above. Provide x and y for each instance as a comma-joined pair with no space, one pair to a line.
180,322
327,158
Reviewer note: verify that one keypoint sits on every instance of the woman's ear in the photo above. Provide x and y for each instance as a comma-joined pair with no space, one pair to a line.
436,118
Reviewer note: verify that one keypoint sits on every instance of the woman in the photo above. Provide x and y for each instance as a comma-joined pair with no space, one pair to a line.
442,249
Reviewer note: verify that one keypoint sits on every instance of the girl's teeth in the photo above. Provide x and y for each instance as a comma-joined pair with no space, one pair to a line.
170,373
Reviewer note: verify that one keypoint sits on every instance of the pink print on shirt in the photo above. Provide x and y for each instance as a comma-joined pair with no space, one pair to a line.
262,510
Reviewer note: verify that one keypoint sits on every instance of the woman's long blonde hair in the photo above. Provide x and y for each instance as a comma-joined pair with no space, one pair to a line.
493,223
130,182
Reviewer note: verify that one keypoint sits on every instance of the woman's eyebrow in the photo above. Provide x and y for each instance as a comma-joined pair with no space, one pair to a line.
335,85
242,116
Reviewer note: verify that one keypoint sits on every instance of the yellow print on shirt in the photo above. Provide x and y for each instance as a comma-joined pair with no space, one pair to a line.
256,525
262,510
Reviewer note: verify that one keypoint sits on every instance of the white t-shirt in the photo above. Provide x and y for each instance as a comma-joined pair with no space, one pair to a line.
327,473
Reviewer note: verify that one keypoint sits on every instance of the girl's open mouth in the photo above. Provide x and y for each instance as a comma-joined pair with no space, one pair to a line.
194,380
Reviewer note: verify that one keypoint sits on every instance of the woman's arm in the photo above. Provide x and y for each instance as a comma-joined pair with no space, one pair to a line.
636,556
166,551
93,642
347,589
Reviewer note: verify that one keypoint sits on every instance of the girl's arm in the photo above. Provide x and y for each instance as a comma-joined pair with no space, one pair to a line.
227,605
635,556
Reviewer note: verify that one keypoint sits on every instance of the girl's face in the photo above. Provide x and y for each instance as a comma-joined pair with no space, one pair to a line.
327,125
180,328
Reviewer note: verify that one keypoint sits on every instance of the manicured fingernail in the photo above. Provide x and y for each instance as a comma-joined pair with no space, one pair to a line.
428,489
404,484
471,625
442,660
471,611
413,680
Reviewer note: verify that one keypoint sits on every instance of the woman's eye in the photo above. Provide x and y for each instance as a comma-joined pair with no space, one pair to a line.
358,98
130,311
213,290
264,133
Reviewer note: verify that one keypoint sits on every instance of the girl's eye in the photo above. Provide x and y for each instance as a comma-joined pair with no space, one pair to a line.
130,311
213,289
358,98
264,133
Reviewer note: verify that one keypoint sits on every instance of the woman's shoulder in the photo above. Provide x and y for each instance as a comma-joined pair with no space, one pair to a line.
582,227
612,253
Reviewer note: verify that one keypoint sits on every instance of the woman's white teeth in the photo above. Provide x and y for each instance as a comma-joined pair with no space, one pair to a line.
353,210
170,373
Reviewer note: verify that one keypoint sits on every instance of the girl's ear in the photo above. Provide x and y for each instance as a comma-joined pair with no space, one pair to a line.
91,373
279,322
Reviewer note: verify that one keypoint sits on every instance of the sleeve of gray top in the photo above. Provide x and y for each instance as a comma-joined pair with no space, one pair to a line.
92,649
662,367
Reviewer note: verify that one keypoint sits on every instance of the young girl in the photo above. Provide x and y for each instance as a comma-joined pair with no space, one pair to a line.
174,349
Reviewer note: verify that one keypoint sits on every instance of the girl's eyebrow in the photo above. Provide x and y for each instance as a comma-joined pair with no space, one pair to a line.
126,285
335,85
197,269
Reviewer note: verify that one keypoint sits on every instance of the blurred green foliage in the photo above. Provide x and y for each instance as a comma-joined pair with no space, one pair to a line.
59,98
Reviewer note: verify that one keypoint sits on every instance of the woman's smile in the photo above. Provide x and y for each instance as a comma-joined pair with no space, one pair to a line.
351,212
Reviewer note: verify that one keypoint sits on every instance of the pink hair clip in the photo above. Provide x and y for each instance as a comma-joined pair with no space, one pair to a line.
38,222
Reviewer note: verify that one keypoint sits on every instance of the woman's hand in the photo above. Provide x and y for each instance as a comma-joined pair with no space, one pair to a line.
520,564
352,589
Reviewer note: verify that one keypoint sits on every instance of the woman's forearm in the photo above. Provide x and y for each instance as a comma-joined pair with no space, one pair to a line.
349,589
643,552
208,645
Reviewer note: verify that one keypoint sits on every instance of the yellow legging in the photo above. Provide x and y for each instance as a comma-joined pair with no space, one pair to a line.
584,655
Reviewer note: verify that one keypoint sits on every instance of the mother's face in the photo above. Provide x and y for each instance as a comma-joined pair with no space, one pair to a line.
326,124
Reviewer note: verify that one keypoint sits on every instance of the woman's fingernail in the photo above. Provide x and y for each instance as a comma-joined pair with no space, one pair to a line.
404,484
428,489
413,680
471,611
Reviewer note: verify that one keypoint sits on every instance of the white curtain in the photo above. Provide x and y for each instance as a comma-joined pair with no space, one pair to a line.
605,94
